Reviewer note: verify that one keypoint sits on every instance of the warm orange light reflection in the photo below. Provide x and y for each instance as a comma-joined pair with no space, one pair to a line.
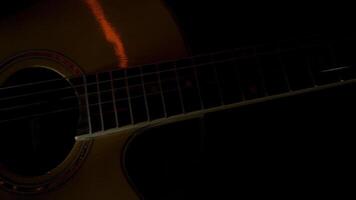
111,34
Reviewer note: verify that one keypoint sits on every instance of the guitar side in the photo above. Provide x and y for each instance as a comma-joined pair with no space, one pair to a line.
147,33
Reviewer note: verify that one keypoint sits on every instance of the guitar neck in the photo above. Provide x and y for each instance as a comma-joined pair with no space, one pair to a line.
144,93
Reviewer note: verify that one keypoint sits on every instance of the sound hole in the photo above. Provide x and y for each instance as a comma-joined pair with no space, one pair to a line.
38,120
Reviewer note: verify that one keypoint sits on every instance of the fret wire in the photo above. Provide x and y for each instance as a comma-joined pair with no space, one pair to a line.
99,101
238,75
263,81
198,84
114,99
162,96
310,72
283,67
261,74
87,102
129,97
145,95
218,84
333,57
179,88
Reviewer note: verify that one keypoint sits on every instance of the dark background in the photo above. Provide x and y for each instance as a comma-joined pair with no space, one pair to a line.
219,24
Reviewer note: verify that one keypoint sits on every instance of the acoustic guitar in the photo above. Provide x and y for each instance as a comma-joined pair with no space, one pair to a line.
88,87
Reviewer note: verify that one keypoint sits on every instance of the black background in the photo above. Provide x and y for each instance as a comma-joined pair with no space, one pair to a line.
213,25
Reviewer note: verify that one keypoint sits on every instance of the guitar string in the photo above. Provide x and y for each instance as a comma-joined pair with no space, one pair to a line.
111,101
302,42
82,106
307,42
142,84
172,62
123,78
88,94
110,90
107,81
175,62
115,79
121,99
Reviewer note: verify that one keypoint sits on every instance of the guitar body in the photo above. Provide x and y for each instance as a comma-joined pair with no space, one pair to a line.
74,38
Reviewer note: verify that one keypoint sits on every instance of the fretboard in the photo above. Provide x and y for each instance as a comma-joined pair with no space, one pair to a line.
145,93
